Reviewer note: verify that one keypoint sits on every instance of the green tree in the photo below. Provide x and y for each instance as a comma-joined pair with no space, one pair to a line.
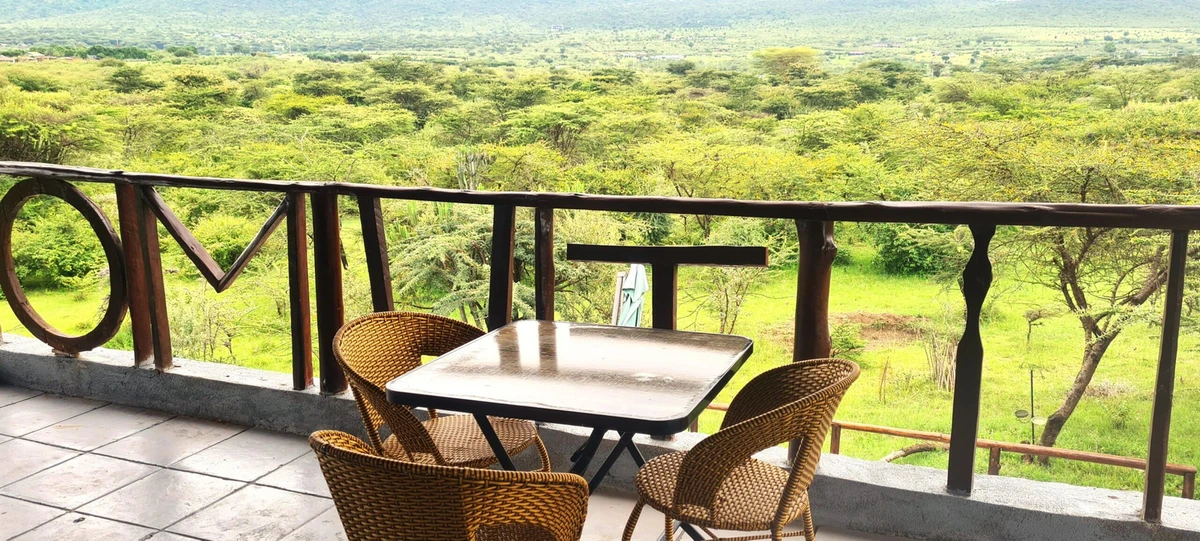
789,63
128,80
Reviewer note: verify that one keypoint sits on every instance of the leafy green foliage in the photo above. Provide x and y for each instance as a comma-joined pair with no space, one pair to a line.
919,249
127,80
54,245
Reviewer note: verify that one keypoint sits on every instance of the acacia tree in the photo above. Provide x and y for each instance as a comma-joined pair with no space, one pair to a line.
1108,278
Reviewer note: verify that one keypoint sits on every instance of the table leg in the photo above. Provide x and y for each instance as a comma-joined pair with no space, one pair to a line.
625,441
687,528
636,454
583,457
493,440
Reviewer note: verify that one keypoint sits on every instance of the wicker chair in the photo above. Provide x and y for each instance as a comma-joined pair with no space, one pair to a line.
376,348
382,499
717,485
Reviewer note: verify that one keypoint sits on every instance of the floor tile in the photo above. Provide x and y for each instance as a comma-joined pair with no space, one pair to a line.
168,536
76,527
834,534
40,412
247,456
77,481
301,475
253,514
10,394
327,527
98,427
18,517
171,441
24,458
162,498
608,510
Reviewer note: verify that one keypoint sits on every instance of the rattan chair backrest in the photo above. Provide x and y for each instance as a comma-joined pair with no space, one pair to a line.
384,499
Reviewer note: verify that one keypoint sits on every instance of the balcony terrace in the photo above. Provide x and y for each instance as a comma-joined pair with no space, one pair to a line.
142,443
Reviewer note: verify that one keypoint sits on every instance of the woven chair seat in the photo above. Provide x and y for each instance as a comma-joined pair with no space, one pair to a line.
462,443
747,500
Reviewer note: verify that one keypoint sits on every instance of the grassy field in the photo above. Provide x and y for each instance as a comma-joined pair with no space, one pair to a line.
1113,418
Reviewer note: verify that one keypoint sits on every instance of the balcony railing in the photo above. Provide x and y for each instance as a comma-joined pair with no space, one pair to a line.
136,279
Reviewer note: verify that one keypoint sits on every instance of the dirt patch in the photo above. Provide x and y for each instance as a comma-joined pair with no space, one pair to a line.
882,330
879,331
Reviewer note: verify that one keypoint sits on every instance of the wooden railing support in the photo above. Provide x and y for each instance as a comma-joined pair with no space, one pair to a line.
370,214
968,377
835,440
298,292
994,460
817,252
504,238
543,252
151,306
327,260
1164,387
128,204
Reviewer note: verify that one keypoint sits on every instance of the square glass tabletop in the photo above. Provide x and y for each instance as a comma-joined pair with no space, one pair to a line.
649,381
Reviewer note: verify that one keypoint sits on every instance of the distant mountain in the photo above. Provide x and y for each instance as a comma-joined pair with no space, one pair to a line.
377,22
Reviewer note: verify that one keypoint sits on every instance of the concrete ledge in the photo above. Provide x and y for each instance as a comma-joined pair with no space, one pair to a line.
912,501
847,493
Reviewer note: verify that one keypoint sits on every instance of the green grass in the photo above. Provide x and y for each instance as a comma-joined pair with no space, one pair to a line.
1117,423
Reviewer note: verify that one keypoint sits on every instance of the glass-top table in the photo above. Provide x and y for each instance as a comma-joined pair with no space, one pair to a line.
628,379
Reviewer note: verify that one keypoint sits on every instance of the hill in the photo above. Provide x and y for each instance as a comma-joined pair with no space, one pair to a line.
382,24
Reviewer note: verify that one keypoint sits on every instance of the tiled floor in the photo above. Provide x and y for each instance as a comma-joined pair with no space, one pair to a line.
77,469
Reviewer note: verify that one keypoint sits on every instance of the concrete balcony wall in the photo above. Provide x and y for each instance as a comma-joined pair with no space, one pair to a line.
848,493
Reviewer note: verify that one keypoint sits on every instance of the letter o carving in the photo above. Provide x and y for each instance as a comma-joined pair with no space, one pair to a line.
118,303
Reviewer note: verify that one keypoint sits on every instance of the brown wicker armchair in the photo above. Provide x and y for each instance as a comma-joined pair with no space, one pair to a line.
381,499
376,348
718,485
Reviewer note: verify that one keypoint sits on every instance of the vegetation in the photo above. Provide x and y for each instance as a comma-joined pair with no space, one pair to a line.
750,100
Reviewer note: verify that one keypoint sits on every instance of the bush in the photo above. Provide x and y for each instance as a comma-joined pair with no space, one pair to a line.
225,237
33,83
920,249
846,341
53,246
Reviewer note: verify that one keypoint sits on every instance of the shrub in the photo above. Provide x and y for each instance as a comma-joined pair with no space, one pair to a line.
920,249
225,237
33,83
53,246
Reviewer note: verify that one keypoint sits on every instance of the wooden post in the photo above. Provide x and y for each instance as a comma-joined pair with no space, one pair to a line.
1189,485
663,294
504,238
297,235
994,461
543,282
968,377
327,259
1164,387
154,306
817,251
835,439
370,213
128,203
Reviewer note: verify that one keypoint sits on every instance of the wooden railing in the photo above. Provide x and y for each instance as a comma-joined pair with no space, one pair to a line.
995,448
137,281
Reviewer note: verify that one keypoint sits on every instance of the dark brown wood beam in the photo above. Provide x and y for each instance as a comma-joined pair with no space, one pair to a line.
298,292
1177,217
375,244
968,376
504,236
327,260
